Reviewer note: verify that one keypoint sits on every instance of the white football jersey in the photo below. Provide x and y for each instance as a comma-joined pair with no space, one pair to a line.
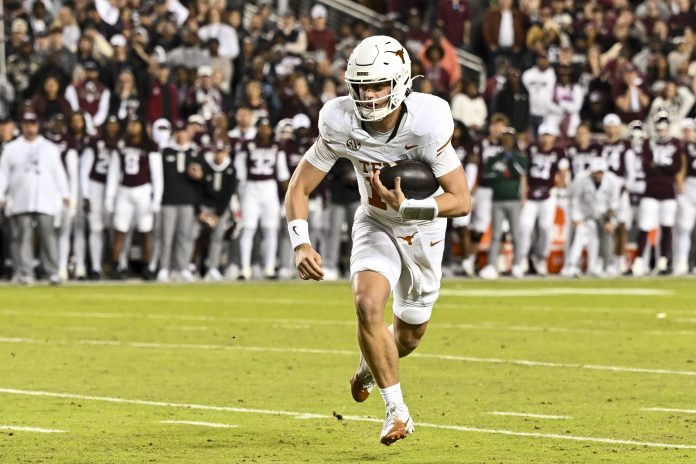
425,135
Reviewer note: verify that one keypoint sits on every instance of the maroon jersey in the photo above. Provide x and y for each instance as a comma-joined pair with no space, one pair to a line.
135,164
103,150
543,167
89,94
615,154
262,159
484,148
661,162
295,150
580,158
690,150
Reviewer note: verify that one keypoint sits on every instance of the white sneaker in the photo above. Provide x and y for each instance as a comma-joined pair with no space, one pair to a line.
397,424
186,276
62,275
285,273
681,268
232,272
517,271
163,275
270,273
570,271
638,268
246,273
488,273
540,266
213,275
662,264
330,274
469,266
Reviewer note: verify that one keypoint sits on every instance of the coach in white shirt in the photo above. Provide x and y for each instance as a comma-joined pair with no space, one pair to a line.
33,188
594,202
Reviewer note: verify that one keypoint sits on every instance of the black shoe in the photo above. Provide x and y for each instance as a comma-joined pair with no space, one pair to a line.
94,275
149,275
119,274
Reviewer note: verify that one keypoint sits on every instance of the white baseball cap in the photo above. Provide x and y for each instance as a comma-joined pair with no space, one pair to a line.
598,165
318,11
548,129
118,40
611,119
300,120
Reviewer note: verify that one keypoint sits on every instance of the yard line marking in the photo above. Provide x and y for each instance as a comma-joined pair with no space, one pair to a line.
202,424
17,428
80,329
306,415
264,349
302,323
189,328
555,291
684,411
524,414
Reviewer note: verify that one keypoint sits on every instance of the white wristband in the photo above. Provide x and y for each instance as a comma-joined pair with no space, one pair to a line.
299,232
423,210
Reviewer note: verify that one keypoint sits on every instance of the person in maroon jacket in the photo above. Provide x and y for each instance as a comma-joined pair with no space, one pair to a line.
162,99
319,37
662,161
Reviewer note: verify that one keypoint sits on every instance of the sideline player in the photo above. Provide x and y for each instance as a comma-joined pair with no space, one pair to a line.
397,242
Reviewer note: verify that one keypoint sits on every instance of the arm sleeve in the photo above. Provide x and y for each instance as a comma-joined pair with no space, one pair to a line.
103,110
4,175
59,175
71,96
73,176
282,172
112,180
156,170
86,161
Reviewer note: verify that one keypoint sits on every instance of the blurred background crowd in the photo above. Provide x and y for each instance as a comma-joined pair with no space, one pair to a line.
156,137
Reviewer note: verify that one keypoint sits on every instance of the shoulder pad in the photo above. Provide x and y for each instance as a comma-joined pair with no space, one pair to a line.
335,118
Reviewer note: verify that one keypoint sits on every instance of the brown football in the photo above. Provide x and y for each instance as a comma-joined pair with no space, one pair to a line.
417,179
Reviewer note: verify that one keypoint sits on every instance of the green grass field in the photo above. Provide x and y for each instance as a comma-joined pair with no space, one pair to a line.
509,372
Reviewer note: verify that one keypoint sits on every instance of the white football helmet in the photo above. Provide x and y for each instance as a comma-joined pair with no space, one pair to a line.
378,59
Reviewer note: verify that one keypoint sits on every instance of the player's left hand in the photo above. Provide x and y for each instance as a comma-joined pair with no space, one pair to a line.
394,197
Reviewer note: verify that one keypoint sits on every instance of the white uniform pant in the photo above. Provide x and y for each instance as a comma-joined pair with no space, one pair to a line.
686,217
543,212
134,204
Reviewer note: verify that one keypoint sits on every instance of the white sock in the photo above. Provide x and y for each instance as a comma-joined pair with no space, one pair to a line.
392,395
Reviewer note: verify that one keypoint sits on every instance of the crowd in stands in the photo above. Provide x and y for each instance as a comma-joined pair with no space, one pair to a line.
163,132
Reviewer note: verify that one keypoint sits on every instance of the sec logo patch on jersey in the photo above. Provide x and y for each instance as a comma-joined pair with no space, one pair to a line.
353,144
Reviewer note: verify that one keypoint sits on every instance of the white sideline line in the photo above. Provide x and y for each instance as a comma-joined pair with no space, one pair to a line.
683,411
17,428
524,414
202,424
555,291
305,415
264,349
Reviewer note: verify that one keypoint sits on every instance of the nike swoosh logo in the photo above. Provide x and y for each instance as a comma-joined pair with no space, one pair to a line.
408,147
294,229
432,243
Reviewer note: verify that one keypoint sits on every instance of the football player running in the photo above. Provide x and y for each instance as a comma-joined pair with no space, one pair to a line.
397,242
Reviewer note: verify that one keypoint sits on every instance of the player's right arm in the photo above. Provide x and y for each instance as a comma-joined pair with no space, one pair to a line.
303,182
